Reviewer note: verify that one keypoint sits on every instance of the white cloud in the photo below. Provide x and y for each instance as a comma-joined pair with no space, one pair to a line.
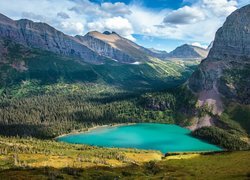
185,15
118,24
144,20
197,22
220,7
70,27
105,9
117,8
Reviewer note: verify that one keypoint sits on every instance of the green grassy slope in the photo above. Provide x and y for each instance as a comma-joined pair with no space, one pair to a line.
36,159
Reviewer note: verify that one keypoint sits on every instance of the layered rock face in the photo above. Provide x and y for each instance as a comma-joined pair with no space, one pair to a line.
43,36
226,70
104,44
114,46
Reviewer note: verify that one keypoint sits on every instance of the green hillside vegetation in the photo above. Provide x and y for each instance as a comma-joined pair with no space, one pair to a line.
239,114
238,78
221,138
50,110
44,95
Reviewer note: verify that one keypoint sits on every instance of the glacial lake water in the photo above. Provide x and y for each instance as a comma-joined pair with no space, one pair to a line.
149,136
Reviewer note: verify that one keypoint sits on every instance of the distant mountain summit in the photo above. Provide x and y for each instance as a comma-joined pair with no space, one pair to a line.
114,46
188,51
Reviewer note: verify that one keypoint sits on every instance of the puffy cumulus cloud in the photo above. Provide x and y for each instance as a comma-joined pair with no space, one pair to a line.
117,8
219,7
105,9
85,7
72,28
118,24
197,22
185,15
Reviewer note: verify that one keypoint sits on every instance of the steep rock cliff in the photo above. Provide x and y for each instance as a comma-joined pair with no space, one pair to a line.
225,73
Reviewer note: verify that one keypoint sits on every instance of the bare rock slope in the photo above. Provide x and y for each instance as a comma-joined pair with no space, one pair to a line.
113,46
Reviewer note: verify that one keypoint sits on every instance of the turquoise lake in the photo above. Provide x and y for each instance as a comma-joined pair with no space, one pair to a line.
149,136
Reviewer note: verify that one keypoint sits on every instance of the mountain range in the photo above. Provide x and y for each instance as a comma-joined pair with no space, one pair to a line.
94,47
105,57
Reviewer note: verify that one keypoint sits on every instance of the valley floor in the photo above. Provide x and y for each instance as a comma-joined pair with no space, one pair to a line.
45,159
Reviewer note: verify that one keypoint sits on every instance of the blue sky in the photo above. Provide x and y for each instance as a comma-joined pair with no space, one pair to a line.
159,24
155,4
158,43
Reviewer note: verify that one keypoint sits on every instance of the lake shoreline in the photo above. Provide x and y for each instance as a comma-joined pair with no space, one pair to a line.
153,128
86,130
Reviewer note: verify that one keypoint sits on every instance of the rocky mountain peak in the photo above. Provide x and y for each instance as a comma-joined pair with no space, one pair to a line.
224,74
233,38
110,33
114,46
106,33
106,36
28,25
188,51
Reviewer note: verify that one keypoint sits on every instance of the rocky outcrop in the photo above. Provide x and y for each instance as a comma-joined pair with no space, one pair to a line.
104,44
114,46
225,72
188,51
233,38
43,36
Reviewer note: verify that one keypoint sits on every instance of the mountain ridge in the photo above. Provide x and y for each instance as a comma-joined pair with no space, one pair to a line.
188,51
114,46
94,47
223,77
46,37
